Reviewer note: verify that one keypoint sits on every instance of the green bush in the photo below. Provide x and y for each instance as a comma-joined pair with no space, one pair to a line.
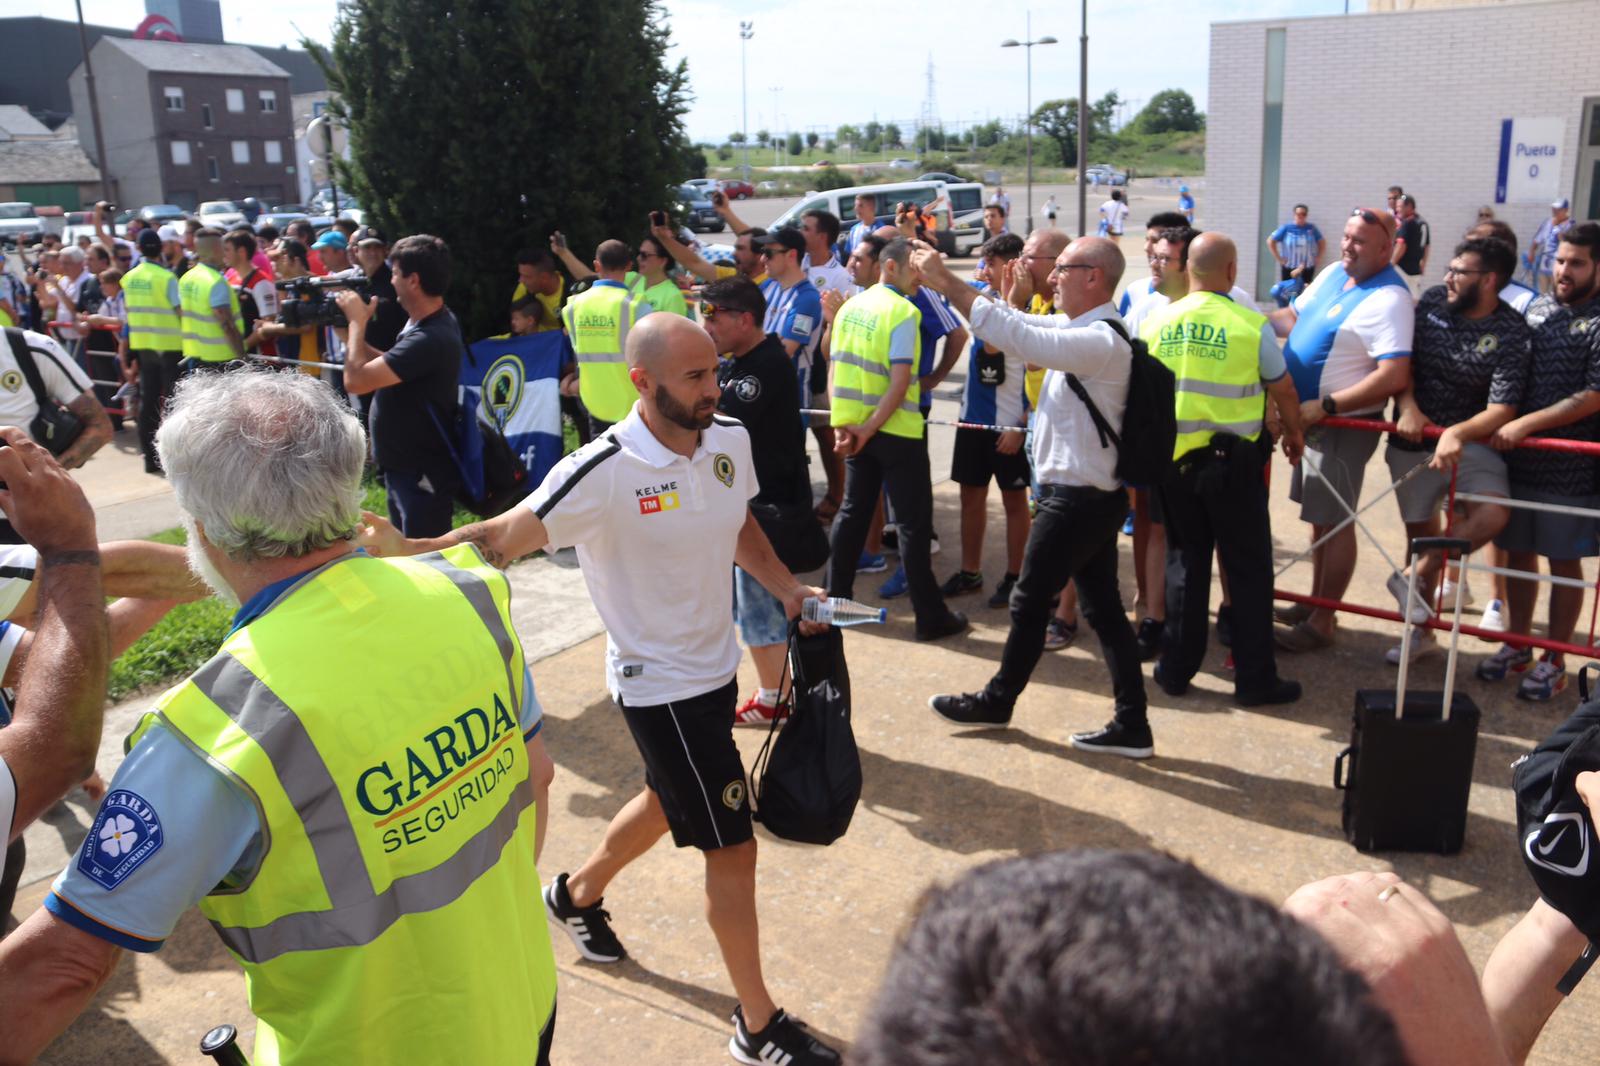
831,177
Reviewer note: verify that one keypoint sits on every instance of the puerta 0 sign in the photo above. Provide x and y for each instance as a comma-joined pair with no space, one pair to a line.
1530,160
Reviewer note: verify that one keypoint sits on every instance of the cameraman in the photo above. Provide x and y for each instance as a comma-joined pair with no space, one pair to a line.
414,387
389,318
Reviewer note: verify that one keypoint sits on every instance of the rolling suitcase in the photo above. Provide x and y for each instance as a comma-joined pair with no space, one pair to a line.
1407,773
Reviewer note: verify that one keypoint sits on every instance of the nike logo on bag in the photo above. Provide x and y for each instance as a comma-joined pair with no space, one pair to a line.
1545,849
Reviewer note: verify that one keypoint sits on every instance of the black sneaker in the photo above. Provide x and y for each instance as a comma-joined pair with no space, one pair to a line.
961,582
1149,638
1171,688
1225,626
784,1042
952,623
1280,691
1002,591
969,708
891,539
1117,739
589,927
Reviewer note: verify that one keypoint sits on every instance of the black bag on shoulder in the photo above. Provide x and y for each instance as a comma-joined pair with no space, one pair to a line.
807,777
54,426
1142,457
797,537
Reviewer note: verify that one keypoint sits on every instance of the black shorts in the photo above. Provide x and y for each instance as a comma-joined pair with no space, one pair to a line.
692,765
975,460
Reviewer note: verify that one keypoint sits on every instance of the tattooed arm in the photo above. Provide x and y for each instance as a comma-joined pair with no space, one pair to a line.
502,540
96,431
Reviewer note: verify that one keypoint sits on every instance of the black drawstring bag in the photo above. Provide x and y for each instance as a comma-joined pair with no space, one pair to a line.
807,777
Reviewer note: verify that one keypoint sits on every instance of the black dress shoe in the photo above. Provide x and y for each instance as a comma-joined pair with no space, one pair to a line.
1148,637
1177,688
1225,626
969,708
1280,691
952,623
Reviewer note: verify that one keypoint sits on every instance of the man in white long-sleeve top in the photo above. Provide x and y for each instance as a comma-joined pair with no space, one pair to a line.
1081,501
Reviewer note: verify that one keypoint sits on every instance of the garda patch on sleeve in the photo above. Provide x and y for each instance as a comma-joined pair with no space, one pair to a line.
126,832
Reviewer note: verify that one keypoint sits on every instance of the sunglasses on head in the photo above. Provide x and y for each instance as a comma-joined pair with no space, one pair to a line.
710,310
1366,216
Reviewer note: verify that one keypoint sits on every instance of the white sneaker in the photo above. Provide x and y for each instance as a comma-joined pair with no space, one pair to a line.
1494,617
1422,643
1448,591
1420,611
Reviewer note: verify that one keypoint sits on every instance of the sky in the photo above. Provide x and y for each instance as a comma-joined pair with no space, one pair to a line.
974,79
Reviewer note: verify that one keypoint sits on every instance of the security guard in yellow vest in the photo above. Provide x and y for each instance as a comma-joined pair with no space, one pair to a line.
363,841
213,327
879,430
155,338
1227,362
597,323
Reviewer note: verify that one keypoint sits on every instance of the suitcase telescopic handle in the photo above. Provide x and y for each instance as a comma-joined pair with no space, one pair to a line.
1449,545
1341,776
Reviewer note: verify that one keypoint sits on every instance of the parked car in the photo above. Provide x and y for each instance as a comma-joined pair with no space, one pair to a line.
278,218
161,214
703,184
823,163
842,204
939,175
321,202
902,164
966,215
221,214
1104,174
697,212
19,223
734,189
766,188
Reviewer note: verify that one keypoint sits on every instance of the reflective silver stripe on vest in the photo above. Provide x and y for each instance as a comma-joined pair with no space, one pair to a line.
602,357
624,323
1203,425
478,593
852,359
154,331
305,778
155,309
872,399
364,921
1220,390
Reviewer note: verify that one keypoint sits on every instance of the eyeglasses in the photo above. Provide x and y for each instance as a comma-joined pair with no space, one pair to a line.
1161,260
1366,216
642,254
1458,272
1062,268
1051,258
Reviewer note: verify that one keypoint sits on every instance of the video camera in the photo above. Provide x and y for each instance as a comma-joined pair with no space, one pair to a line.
309,301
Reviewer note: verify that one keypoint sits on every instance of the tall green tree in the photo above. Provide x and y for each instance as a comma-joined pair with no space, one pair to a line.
792,143
1170,111
848,134
465,123
1058,120
891,136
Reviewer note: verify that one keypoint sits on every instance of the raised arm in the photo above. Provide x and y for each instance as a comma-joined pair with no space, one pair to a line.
686,257
502,540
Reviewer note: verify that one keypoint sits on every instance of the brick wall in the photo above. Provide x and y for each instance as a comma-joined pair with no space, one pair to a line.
1410,98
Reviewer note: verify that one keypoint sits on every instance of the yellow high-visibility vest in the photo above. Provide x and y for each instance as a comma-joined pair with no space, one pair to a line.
1213,348
598,322
860,355
203,336
153,323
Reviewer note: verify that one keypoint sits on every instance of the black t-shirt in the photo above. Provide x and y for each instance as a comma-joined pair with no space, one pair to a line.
388,318
1461,365
760,390
1414,231
427,359
1565,362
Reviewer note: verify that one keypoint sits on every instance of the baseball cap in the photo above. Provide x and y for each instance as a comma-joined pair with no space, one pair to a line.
1560,205
1183,188
331,239
786,237
150,242
1555,830
168,232
367,233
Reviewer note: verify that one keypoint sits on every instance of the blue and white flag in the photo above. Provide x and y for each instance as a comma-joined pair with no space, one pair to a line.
518,383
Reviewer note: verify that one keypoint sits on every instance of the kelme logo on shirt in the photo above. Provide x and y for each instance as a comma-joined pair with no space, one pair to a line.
722,467
126,832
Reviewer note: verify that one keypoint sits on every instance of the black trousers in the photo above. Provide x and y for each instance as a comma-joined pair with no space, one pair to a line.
1222,504
901,465
1074,535
158,376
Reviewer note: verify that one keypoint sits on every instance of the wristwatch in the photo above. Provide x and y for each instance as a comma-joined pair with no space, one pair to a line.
1329,407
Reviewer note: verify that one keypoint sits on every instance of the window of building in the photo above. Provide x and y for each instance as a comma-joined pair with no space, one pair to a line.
213,172
205,116
235,99
269,100
241,151
273,151
174,97
180,154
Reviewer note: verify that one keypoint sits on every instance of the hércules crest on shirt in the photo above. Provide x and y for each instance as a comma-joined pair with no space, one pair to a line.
126,832
722,467
1488,343
11,381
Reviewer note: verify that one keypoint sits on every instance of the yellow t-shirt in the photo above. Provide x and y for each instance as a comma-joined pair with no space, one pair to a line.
725,271
551,319
1033,379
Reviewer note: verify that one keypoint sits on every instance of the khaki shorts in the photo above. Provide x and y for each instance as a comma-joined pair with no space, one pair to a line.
1342,456
1482,471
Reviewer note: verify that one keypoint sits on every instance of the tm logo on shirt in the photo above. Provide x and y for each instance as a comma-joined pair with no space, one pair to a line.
126,832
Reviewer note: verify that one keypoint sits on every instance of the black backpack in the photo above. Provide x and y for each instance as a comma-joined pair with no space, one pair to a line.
1142,457
807,777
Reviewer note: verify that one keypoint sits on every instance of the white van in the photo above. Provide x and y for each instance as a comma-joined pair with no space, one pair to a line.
842,204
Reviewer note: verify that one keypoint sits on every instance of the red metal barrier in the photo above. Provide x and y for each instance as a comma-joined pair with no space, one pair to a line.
82,354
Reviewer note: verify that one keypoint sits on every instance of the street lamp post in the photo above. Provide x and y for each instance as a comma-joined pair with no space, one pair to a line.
775,90
1028,44
1083,122
747,30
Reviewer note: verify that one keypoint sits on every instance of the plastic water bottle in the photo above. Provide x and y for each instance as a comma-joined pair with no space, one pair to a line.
838,611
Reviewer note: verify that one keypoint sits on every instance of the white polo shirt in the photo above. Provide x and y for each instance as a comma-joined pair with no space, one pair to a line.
656,533
63,379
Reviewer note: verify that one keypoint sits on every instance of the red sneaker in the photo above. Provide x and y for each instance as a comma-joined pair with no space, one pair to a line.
754,712
1227,664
